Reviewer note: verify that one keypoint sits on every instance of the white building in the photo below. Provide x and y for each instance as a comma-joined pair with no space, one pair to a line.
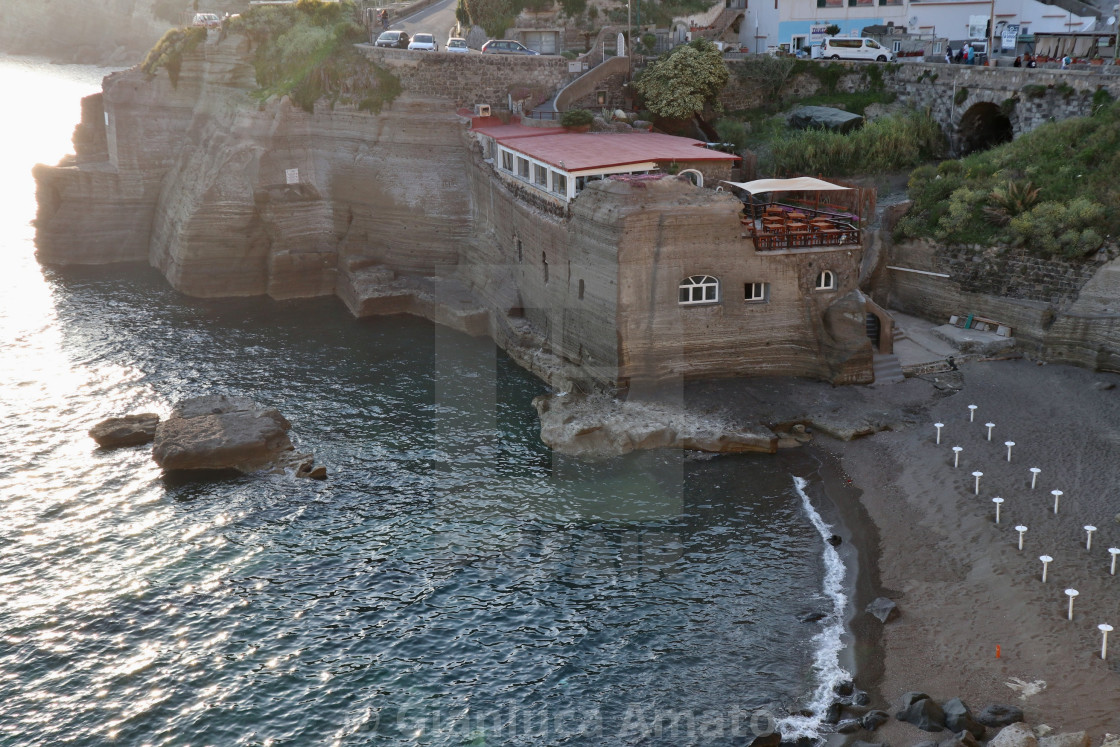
799,24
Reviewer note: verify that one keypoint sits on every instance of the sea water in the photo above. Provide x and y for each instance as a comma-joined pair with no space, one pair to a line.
452,582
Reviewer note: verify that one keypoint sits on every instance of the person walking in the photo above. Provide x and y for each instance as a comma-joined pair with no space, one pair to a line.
970,54
949,54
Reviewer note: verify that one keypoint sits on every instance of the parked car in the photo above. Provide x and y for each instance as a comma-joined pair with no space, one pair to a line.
843,48
207,20
506,46
398,39
425,42
455,44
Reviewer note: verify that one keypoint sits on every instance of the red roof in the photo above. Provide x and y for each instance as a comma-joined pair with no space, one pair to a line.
599,150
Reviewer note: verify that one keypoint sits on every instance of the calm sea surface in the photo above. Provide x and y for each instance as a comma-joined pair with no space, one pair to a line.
451,583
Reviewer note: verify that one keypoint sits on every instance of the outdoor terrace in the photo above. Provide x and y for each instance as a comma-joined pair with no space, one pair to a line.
776,226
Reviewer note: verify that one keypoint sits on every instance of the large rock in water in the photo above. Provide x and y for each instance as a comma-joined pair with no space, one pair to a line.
131,430
824,117
1015,735
216,432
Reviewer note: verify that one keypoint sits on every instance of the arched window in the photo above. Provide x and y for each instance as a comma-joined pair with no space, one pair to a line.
698,289
826,281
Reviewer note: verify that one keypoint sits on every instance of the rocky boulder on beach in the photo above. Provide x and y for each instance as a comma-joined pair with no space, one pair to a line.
216,432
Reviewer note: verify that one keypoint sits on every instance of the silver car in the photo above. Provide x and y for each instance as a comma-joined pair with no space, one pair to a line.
425,42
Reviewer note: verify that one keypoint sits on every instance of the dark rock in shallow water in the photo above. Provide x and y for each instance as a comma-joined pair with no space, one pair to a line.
812,617
848,726
131,430
958,717
872,720
913,697
835,540
773,739
832,713
923,713
844,689
997,715
860,698
883,609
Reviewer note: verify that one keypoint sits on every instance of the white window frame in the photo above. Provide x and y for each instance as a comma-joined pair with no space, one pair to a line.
826,281
507,160
523,168
756,292
700,290
540,176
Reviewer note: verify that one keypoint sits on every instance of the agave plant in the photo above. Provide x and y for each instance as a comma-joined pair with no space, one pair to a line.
1014,198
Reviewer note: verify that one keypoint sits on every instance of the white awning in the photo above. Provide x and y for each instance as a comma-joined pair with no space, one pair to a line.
798,184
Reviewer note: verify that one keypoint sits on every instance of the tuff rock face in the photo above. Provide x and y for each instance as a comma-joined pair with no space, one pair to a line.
401,212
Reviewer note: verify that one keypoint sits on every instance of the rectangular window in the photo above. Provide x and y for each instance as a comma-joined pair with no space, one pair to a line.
559,183
756,292
540,175
507,161
523,167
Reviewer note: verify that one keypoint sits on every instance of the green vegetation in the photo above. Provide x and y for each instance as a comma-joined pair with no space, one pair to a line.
576,118
1051,191
169,50
888,144
1034,90
306,51
681,82
960,96
855,102
1101,99
828,74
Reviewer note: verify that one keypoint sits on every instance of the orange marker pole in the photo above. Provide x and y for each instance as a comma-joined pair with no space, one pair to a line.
997,650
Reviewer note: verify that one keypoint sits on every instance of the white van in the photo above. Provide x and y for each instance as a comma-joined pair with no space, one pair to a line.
841,48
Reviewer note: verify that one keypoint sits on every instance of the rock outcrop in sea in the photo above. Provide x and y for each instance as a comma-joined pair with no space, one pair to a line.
216,432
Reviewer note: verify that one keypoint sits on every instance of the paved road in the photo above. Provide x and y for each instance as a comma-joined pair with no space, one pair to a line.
438,19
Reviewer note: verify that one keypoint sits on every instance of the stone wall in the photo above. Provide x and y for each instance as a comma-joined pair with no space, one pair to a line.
1064,312
466,80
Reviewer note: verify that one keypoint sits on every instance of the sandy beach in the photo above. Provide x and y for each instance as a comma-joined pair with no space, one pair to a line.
932,545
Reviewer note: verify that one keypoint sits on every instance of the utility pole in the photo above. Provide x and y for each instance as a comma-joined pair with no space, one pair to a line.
991,31
629,45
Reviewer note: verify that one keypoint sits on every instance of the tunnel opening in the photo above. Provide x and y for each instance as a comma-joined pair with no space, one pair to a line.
982,127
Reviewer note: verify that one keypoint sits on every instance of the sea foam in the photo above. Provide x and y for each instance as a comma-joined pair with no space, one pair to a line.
828,643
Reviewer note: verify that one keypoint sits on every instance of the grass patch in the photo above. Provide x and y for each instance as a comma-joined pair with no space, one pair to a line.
306,51
1071,163
888,144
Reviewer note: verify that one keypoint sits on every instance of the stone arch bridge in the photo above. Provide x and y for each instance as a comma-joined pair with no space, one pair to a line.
978,107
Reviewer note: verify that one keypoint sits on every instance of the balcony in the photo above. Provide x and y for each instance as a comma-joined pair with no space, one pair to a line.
776,226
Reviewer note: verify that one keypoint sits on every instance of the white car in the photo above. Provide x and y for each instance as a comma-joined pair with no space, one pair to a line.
425,42
455,44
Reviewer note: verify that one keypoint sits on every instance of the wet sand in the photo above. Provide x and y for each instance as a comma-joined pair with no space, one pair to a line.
933,546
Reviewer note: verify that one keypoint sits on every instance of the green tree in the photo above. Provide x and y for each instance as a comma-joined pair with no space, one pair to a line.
681,82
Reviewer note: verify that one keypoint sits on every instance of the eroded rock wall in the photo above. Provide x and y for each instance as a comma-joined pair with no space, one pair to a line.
1066,312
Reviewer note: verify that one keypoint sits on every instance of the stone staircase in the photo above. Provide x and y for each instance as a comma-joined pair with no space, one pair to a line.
887,369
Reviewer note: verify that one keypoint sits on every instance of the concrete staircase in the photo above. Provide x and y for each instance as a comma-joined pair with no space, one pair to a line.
887,369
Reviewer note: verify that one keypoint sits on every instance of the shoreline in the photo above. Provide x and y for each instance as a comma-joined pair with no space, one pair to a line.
925,540
840,507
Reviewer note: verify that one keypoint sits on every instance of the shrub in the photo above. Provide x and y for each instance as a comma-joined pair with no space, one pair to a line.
732,131
169,50
576,118
1054,228
1009,200
1034,90
306,51
960,96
